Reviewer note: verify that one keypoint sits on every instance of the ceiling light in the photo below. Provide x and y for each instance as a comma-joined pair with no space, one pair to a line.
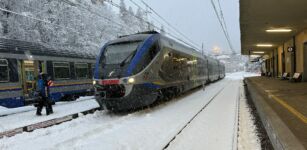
264,45
258,52
278,30
254,56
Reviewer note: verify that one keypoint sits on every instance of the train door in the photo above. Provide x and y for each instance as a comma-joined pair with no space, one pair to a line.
29,70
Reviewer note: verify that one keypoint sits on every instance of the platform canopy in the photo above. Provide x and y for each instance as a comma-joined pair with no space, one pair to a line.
277,16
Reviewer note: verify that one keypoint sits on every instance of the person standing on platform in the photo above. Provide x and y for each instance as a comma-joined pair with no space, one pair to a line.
43,89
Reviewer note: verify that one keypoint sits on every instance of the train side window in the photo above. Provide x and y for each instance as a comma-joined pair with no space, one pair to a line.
61,70
81,70
4,70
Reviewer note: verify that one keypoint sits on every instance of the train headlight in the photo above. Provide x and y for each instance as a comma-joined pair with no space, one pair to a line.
94,82
131,80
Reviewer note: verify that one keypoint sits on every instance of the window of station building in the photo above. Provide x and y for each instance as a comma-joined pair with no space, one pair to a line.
81,70
4,70
61,70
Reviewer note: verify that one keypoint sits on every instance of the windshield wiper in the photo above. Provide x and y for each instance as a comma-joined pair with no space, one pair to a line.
127,58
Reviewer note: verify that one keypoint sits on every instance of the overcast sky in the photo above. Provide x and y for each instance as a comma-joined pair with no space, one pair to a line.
197,20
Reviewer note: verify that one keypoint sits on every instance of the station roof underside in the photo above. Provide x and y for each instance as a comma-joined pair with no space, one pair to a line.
256,16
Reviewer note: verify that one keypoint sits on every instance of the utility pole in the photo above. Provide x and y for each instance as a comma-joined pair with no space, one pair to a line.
202,49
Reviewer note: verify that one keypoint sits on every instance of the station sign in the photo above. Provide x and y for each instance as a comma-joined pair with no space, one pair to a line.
290,49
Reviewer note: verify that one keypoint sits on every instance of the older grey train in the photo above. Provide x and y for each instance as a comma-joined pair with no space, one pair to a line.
21,62
134,71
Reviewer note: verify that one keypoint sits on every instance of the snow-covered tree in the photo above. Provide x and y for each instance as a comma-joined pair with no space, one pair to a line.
123,11
141,20
75,25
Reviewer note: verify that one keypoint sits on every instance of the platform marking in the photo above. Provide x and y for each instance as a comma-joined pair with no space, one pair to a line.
289,108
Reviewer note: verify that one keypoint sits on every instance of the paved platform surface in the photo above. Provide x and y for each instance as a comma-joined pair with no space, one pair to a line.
288,100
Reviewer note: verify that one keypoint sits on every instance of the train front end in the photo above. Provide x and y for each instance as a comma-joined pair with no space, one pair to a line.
120,73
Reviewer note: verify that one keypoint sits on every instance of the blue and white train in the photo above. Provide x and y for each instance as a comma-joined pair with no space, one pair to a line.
134,71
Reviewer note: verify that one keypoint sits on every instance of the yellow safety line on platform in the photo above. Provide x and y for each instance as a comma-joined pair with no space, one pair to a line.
291,109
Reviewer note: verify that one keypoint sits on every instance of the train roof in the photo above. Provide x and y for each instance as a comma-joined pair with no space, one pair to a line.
129,38
23,47
165,41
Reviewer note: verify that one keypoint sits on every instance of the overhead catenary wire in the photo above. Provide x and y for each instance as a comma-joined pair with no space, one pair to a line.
223,28
173,36
137,5
68,2
74,30
167,33
37,19
222,17
117,6
169,24
157,20
93,12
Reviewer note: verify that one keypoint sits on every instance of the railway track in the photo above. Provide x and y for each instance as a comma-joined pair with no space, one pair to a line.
45,124
201,110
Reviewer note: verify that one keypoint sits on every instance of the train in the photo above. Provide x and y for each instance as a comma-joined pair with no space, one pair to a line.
134,71
21,62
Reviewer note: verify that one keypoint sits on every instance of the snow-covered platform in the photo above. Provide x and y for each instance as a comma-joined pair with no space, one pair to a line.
282,107
198,120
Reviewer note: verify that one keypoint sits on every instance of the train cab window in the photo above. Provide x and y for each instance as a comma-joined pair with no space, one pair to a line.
4,70
147,57
81,70
120,52
61,70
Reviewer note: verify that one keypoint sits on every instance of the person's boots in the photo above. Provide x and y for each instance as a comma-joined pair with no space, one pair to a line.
47,110
50,108
38,111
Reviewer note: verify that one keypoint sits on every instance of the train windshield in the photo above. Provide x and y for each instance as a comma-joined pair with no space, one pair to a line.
120,52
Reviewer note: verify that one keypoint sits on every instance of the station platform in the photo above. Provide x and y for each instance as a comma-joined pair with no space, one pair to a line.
282,107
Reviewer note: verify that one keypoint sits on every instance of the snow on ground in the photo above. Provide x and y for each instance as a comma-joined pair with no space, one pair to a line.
215,127
60,110
8,111
240,75
247,138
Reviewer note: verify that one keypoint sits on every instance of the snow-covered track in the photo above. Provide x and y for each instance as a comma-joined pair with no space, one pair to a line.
31,109
45,124
203,108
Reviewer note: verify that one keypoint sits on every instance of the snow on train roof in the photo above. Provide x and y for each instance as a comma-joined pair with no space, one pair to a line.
22,47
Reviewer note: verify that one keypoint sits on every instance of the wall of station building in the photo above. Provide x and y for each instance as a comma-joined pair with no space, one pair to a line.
281,60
